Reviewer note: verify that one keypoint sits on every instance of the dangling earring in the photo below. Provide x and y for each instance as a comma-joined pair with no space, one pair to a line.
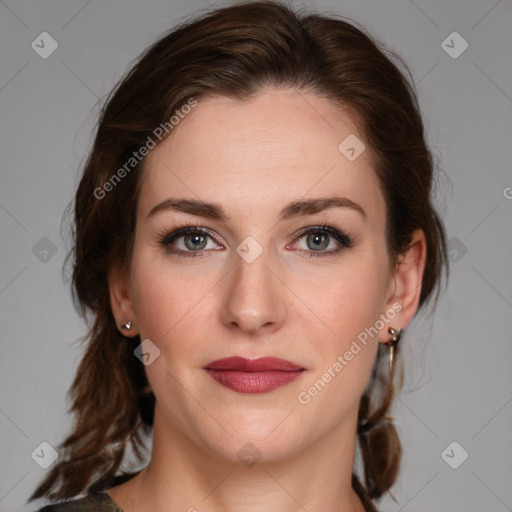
127,326
395,338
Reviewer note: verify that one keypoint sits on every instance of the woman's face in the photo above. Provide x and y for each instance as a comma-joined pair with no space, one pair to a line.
248,281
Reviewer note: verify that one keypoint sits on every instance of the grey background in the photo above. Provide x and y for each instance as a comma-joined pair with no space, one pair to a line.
458,383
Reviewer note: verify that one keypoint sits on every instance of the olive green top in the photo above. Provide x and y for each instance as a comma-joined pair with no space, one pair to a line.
96,502
100,501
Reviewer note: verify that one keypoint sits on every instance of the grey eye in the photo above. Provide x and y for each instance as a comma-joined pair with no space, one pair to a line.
195,241
317,241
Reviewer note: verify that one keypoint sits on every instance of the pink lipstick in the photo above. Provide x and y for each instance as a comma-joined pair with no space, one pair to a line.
253,375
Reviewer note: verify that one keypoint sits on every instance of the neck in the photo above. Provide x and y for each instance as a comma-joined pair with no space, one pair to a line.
182,475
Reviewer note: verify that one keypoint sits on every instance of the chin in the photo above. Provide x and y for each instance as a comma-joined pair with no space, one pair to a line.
266,440
251,450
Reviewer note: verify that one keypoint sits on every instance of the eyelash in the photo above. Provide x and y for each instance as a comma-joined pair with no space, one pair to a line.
166,237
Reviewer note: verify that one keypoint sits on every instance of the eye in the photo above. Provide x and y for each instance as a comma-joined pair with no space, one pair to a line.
318,241
188,241
321,241
193,241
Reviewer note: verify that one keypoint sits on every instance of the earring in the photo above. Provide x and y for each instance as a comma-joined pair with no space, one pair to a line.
127,326
395,338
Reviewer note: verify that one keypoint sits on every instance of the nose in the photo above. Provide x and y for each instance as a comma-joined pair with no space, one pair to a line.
254,298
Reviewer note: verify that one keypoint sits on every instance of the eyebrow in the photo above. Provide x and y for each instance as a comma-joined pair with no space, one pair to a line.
291,210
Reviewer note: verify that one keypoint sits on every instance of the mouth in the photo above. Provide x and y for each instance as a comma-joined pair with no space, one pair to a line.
260,375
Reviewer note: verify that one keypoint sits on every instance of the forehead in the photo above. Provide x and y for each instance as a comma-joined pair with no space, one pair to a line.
259,154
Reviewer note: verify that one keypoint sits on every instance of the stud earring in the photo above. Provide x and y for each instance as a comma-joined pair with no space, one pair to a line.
395,336
127,326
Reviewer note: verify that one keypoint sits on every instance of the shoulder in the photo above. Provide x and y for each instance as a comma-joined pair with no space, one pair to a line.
96,502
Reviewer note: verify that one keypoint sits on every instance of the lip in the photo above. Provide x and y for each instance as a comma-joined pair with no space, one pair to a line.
261,364
260,375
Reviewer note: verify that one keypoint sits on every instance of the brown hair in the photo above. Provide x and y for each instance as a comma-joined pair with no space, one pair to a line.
235,52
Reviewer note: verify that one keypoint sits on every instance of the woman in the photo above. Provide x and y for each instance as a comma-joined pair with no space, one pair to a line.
253,232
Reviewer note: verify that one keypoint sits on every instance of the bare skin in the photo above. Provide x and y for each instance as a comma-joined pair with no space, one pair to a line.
299,300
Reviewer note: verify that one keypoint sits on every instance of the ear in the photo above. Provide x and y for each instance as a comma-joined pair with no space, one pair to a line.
121,300
405,289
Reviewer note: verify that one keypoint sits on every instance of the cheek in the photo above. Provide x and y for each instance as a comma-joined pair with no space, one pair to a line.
347,300
156,301
171,303
349,304
167,307
346,352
